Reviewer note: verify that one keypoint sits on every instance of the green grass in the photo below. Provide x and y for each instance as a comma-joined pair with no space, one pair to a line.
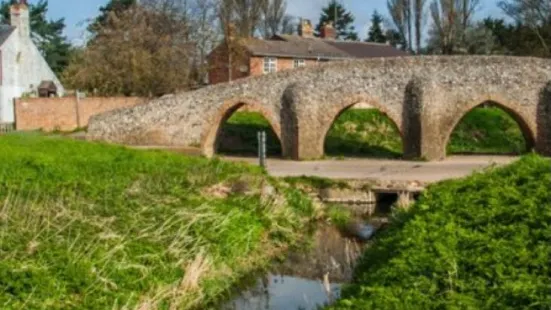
239,135
370,133
483,242
363,133
487,130
91,226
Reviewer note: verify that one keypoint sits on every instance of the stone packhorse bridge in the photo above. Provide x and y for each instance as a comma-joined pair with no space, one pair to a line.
425,96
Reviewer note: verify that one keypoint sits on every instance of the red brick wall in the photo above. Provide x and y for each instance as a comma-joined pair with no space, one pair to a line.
257,64
218,66
63,113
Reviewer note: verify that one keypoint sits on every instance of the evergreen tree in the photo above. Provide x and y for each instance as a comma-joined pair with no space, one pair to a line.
518,38
344,21
376,33
46,34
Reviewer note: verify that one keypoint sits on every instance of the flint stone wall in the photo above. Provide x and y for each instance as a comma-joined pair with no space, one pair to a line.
425,96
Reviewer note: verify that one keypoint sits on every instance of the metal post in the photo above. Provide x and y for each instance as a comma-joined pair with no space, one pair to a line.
77,109
262,148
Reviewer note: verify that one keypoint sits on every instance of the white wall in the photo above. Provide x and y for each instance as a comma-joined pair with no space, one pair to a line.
10,88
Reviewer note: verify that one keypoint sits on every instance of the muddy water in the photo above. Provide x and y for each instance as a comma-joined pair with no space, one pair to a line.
307,279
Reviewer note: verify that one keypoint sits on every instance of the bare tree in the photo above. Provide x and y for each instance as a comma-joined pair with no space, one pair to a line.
397,9
408,16
451,19
275,19
419,11
408,19
239,20
144,51
245,15
204,33
535,14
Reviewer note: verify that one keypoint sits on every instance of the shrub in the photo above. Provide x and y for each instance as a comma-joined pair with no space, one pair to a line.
483,242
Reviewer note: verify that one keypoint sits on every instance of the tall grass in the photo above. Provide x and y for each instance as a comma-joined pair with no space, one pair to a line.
91,226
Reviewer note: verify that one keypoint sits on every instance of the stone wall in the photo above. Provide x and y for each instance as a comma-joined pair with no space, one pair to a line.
425,96
66,113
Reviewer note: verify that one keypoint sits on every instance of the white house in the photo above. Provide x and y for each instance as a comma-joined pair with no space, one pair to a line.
22,67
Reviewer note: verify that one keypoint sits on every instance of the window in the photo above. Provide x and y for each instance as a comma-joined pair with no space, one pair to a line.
270,65
298,63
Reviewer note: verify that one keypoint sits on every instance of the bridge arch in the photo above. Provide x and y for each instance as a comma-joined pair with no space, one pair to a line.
522,120
211,131
337,110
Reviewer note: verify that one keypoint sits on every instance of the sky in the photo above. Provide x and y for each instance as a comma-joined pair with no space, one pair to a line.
77,13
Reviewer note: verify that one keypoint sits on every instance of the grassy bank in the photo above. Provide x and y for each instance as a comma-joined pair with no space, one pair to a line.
90,226
487,130
370,133
479,243
363,133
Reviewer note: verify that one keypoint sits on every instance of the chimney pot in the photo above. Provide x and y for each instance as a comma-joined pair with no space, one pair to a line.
20,18
305,28
328,31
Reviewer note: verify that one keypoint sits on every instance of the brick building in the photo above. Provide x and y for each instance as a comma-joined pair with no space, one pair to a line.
253,56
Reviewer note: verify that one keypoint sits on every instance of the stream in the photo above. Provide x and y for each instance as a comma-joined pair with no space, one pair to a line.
310,279
285,292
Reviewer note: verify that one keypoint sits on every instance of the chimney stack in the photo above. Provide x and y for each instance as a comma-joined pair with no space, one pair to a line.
305,29
20,19
328,31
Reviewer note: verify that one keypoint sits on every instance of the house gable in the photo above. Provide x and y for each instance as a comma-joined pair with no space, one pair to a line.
22,65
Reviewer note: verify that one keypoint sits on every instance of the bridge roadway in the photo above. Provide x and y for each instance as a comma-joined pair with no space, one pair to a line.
383,175
382,170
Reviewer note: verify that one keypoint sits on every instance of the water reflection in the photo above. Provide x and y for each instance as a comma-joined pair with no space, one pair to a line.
285,293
